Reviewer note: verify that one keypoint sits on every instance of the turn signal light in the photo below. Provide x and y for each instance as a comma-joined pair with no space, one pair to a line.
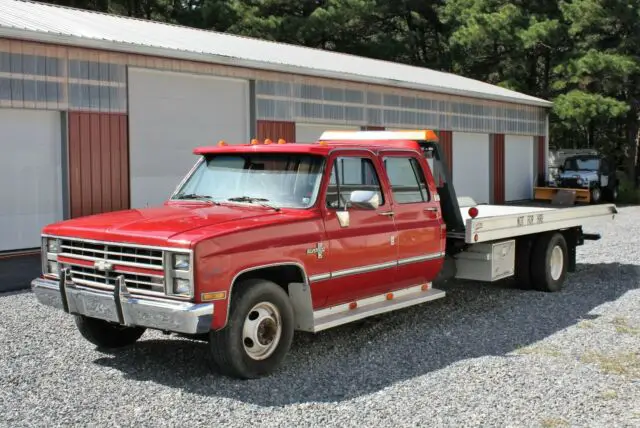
213,295
473,212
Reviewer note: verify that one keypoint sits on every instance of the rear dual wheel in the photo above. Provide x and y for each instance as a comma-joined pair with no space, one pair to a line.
542,263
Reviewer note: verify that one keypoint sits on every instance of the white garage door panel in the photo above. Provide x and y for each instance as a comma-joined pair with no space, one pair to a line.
310,132
471,167
518,160
30,176
171,114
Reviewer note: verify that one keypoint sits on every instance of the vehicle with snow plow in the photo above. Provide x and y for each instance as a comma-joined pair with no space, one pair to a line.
264,239
590,177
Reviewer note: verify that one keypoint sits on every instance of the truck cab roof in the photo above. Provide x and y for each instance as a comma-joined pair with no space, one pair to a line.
329,140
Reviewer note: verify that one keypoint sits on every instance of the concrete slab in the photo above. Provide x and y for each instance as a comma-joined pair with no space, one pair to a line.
16,272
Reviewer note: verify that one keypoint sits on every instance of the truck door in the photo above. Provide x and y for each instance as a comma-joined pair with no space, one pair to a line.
417,216
362,254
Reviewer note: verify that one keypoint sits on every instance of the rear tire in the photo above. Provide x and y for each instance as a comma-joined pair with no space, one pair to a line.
522,275
258,333
549,260
106,335
612,194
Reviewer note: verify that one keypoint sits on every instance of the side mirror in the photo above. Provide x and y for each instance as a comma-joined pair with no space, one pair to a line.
364,199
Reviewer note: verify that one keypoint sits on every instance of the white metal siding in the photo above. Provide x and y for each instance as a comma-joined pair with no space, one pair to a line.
103,31
171,114
518,160
30,176
310,132
471,167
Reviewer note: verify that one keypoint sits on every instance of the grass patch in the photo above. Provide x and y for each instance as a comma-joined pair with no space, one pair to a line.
609,394
554,423
586,324
539,350
622,326
627,364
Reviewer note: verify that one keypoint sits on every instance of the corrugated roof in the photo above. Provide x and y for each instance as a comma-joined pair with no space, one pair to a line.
43,22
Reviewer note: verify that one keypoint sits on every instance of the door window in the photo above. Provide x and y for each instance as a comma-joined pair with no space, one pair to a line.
353,173
408,184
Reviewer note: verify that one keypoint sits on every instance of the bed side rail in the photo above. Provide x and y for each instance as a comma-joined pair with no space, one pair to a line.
508,226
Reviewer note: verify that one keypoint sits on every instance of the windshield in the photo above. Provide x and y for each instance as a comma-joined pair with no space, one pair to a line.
278,180
589,164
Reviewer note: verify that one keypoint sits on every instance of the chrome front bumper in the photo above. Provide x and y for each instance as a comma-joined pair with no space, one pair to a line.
121,307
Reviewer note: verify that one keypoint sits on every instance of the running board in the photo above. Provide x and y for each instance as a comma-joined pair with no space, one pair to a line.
359,309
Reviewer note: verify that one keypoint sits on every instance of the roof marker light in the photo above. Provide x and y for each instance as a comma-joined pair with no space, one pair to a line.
254,142
268,141
282,141
222,143
473,212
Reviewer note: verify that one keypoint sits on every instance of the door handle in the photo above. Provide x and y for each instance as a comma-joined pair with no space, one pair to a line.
387,213
433,209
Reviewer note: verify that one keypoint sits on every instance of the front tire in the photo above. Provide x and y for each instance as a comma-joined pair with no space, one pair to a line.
259,331
549,260
596,194
106,335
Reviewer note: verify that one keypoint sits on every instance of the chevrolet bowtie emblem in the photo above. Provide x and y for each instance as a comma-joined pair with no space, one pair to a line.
318,250
103,265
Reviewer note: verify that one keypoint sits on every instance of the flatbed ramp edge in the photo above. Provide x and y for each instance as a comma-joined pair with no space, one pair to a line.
529,220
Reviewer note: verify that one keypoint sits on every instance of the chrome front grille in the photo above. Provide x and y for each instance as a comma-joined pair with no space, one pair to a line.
118,254
144,284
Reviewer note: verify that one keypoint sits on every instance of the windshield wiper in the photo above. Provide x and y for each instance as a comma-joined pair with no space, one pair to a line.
251,200
196,196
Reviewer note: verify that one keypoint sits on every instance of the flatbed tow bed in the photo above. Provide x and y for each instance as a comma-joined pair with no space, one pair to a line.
495,222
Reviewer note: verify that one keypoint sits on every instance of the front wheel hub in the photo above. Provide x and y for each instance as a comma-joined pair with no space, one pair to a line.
262,330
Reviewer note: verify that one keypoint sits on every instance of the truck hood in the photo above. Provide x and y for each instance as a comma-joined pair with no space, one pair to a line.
159,226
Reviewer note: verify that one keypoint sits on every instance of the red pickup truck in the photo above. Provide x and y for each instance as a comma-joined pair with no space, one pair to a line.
263,239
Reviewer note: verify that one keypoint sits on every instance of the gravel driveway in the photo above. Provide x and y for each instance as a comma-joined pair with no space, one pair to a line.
483,356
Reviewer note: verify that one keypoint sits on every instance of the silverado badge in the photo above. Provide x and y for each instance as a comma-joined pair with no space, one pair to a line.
103,265
317,250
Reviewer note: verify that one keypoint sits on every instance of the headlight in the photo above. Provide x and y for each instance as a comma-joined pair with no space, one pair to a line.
53,245
181,262
181,286
52,268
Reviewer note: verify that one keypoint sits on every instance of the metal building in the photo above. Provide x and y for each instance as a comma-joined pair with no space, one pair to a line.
100,112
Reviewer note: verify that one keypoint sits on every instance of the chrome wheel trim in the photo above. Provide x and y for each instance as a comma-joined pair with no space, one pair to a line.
261,331
556,263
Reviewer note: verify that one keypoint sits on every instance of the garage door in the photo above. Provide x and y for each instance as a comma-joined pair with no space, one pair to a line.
310,132
518,160
169,115
470,164
30,176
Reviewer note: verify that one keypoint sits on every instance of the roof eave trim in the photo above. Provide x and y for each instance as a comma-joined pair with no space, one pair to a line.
64,39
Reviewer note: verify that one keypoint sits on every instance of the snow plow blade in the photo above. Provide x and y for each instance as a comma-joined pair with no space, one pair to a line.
562,196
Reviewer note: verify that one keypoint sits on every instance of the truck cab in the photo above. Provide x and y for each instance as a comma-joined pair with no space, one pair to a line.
263,239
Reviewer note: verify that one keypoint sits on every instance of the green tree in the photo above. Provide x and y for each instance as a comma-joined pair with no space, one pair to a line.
605,70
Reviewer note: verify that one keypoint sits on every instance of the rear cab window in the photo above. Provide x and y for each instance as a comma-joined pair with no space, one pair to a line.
407,179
